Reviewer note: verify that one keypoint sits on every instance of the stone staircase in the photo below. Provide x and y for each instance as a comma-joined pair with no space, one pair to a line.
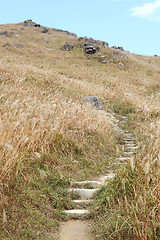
82,193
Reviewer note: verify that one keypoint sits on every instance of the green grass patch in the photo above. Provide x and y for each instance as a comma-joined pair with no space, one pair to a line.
128,207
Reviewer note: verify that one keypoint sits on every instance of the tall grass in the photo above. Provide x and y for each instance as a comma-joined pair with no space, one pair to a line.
129,206
44,125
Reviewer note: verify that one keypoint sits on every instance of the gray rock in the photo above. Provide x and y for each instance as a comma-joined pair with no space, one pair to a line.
67,47
18,45
121,65
45,30
28,23
80,39
7,46
94,42
73,34
118,53
37,25
105,61
118,48
15,34
4,33
89,49
105,44
64,31
93,101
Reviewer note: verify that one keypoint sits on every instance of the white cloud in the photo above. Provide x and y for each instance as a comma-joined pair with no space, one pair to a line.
146,10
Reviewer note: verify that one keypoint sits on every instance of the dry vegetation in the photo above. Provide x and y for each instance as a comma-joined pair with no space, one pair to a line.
46,131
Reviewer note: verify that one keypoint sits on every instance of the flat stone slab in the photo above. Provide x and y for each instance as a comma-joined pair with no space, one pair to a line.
128,144
128,135
77,211
129,153
94,184
123,159
83,201
129,139
131,147
108,177
120,131
84,193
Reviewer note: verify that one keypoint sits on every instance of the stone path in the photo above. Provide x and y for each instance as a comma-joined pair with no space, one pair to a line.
83,192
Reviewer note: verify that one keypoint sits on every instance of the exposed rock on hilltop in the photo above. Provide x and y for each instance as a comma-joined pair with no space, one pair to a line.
64,31
89,49
118,48
67,47
94,42
4,33
93,101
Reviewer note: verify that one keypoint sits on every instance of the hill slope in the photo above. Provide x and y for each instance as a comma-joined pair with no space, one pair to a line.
49,136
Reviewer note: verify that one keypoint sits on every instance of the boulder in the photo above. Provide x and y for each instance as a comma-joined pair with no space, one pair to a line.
67,47
45,30
118,48
18,45
37,25
121,65
93,101
89,49
28,22
73,34
64,31
4,33
94,42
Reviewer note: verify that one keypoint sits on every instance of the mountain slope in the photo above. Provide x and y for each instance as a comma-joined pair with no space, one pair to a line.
49,136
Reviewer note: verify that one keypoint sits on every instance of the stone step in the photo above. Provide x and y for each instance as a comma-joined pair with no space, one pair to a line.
106,178
82,204
84,193
120,131
128,135
128,144
124,117
94,184
129,153
129,139
77,213
83,201
123,159
131,148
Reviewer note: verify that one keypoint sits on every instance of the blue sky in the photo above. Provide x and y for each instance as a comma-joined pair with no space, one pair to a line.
133,24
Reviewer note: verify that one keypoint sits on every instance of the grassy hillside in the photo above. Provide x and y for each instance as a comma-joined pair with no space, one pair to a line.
49,137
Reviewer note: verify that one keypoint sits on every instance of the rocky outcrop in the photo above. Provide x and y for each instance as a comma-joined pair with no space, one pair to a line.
94,42
93,101
5,33
67,47
28,23
64,31
45,30
89,49
37,25
118,48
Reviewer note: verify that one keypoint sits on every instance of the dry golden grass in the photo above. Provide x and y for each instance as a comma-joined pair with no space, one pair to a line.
42,118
